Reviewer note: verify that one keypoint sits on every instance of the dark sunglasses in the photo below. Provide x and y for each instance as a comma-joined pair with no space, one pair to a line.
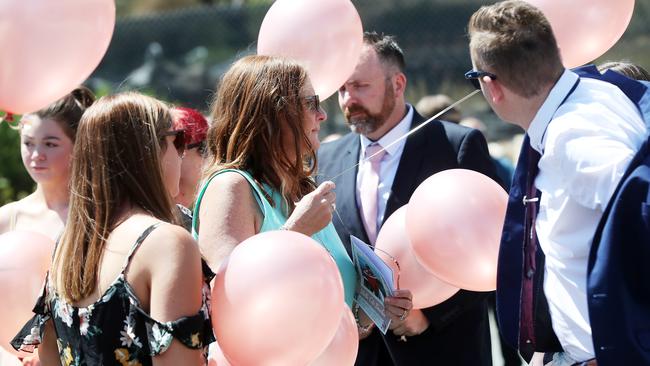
200,146
179,140
474,75
313,103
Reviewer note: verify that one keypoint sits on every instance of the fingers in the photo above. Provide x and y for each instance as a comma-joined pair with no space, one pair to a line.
324,188
399,305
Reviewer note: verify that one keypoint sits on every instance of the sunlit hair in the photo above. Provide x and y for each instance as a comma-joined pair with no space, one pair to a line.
116,161
513,40
626,68
192,122
68,110
387,49
256,112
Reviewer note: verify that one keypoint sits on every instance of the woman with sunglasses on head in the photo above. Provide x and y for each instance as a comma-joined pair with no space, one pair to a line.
261,147
125,284
196,128
47,138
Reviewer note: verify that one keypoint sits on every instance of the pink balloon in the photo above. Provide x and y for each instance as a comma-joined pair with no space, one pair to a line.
454,220
325,36
277,300
50,47
427,289
585,29
343,348
25,258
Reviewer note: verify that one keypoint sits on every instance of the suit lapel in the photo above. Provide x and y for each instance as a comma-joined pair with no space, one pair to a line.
409,164
349,217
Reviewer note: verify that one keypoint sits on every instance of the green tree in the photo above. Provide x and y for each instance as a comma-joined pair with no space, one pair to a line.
15,183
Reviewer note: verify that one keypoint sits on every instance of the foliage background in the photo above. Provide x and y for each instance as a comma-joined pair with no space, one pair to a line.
176,50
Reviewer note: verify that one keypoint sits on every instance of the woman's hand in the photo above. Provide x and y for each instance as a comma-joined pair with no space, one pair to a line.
314,211
398,306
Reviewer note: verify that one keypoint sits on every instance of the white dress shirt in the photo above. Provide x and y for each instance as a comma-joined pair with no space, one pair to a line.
586,144
389,163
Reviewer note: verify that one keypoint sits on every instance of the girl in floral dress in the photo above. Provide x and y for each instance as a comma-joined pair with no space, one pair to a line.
125,286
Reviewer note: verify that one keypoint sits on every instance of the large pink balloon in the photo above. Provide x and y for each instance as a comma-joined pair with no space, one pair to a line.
49,47
454,220
343,348
25,258
585,29
277,300
392,241
325,35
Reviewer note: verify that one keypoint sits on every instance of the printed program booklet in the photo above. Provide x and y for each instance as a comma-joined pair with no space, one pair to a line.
375,282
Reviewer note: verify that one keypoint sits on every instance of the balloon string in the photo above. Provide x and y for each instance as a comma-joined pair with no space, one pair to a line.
409,133
391,144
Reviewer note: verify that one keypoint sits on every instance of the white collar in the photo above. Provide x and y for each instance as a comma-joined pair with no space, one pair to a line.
401,129
555,98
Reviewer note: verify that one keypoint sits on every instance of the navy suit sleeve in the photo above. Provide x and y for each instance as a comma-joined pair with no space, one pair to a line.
474,154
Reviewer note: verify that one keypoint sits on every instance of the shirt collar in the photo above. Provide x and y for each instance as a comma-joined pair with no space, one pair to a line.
555,98
401,129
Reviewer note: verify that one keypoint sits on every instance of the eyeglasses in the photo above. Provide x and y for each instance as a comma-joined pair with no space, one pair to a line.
179,140
200,147
474,75
313,103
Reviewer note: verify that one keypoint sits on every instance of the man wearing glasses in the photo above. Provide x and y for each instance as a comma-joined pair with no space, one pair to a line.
581,134
456,331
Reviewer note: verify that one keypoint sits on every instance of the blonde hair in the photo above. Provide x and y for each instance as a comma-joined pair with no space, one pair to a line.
513,40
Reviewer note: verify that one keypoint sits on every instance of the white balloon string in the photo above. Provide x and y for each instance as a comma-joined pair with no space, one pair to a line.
409,133
400,139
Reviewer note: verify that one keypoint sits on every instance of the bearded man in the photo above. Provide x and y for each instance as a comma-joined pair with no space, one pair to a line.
455,332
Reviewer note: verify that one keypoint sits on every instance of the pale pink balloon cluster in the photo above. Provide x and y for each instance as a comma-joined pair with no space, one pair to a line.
25,258
49,48
393,241
585,29
278,300
447,237
326,36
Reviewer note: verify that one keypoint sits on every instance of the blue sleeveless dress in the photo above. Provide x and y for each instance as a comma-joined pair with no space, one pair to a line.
274,218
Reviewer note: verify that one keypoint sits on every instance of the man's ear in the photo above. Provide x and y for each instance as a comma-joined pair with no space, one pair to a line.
399,84
494,88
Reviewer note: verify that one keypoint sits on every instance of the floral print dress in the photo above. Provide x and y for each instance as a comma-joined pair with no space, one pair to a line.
114,330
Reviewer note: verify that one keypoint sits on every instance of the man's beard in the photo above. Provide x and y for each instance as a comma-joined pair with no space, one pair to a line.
365,122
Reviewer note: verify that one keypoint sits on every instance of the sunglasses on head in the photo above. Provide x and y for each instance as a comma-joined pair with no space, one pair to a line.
313,103
179,140
474,75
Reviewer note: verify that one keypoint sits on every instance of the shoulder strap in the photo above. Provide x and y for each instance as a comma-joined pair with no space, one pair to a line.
136,245
259,197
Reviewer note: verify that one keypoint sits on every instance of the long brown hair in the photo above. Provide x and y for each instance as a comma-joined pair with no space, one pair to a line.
258,103
116,161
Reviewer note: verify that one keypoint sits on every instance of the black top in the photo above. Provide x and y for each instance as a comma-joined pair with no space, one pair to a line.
114,330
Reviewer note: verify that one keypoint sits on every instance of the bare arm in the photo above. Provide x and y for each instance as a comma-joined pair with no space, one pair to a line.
174,263
48,353
228,215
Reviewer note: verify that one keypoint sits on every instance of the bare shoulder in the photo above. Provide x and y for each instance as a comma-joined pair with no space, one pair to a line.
228,183
170,246
6,212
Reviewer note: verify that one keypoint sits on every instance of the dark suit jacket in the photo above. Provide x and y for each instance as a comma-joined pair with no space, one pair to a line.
458,333
618,274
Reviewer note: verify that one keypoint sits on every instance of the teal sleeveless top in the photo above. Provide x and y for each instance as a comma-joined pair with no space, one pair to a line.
274,218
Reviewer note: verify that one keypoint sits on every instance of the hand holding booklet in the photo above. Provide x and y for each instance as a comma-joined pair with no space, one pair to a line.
375,282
